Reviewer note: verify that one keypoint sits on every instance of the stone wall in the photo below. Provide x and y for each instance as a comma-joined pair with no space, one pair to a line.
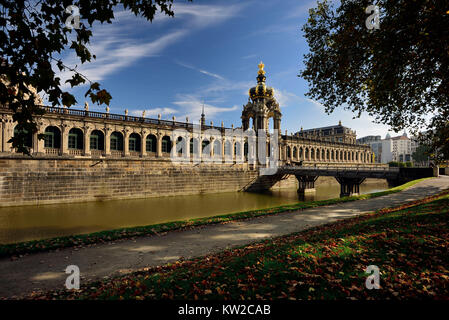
46,181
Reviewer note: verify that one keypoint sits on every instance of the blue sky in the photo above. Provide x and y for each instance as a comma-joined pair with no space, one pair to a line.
209,51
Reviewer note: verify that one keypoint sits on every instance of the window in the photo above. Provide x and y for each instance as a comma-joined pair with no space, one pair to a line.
116,141
97,140
75,139
52,138
151,143
166,144
134,142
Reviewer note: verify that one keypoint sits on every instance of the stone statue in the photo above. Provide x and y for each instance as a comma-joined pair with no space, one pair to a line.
143,114
86,106
126,112
107,109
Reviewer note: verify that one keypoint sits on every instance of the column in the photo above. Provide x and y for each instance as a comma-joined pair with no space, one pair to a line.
126,142
86,141
306,185
349,186
64,139
107,141
143,144
159,145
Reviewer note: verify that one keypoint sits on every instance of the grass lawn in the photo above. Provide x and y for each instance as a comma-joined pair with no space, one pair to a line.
129,233
409,245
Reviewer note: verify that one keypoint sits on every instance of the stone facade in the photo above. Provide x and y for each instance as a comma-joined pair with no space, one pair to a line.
43,181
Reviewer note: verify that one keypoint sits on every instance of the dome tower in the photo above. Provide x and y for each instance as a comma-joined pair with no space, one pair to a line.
261,106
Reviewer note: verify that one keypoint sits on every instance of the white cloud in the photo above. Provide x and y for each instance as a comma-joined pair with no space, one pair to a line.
115,48
151,113
191,106
286,98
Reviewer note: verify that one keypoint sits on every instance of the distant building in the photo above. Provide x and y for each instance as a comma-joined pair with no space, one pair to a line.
375,142
336,133
398,148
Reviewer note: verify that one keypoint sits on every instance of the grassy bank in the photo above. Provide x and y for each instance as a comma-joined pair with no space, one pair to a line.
127,233
409,245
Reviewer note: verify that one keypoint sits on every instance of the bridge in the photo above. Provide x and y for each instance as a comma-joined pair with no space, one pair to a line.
349,177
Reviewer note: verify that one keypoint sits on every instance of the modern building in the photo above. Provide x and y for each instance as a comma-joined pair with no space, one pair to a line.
375,142
398,148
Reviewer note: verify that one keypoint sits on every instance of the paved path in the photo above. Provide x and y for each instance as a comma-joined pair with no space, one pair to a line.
43,271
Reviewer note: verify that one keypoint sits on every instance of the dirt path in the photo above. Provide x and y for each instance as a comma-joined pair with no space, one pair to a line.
43,271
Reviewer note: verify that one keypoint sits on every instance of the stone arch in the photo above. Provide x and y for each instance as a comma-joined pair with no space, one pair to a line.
75,139
151,143
96,140
166,144
52,138
295,153
116,141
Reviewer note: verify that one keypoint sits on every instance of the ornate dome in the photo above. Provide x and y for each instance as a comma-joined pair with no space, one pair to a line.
261,90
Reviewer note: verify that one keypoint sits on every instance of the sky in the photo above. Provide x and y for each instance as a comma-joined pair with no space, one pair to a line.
209,54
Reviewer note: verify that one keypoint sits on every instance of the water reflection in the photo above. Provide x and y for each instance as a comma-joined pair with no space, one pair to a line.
47,221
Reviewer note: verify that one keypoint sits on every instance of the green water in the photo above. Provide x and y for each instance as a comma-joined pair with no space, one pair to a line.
47,221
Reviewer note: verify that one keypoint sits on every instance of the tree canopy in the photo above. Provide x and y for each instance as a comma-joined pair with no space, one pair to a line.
33,34
397,73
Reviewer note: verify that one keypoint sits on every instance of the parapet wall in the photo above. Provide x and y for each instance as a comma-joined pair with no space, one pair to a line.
45,181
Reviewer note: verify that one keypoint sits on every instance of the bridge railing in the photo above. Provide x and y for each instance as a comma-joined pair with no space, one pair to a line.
341,168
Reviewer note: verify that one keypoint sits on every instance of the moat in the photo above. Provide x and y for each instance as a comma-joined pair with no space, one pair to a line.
48,221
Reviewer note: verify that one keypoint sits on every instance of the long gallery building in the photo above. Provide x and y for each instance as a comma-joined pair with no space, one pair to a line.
89,155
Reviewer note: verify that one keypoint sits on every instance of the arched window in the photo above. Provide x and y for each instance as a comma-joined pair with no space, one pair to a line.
317,154
116,141
194,146
237,150
52,138
27,137
327,155
134,142
289,152
97,140
306,155
75,139
295,153
312,154
204,144
180,146
228,148
151,143
323,154
246,149
166,144
301,153
217,148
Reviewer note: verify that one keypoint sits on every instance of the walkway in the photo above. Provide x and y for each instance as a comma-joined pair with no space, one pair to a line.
45,271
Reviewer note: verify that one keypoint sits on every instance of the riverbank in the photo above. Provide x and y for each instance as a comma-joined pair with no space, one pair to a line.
126,233
40,272
409,244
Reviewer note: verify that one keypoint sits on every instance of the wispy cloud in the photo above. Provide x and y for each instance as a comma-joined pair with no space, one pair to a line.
213,75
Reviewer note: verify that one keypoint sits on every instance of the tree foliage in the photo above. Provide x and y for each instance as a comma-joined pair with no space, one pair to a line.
399,73
33,34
